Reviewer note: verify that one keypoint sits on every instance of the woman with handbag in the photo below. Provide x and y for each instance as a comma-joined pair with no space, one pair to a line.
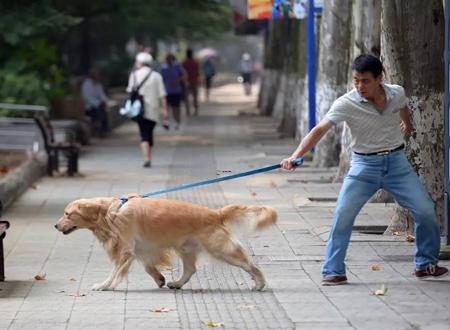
152,89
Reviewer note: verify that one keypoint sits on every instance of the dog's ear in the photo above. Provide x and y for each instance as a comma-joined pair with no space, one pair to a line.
89,209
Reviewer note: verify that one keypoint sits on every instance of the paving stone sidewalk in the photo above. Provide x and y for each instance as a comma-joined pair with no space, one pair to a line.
227,137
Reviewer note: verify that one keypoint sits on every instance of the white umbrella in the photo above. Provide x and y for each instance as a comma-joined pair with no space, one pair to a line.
207,53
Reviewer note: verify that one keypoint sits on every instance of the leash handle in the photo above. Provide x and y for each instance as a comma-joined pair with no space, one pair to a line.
298,161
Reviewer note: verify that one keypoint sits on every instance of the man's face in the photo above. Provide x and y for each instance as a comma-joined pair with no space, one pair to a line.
366,84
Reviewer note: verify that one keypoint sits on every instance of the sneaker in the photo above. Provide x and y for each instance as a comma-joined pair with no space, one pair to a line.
334,280
147,164
431,271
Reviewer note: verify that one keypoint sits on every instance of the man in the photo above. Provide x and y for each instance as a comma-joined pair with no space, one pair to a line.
173,75
209,72
377,115
95,100
192,70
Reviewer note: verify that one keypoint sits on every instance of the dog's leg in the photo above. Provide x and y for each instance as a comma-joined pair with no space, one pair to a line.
106,283
189,259
156,274
118,273
224,247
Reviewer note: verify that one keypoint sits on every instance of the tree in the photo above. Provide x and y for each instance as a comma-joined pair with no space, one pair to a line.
332,76
412,44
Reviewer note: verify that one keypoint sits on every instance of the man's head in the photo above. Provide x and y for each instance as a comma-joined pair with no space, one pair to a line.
143,58
94,74
367,74
189,53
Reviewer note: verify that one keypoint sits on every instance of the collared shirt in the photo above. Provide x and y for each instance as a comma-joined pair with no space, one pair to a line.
152,90
372,129
92,93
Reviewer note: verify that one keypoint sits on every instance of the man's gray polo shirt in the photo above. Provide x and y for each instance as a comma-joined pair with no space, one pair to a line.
372,130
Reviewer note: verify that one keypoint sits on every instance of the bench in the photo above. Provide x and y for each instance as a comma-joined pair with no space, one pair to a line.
4,225
69,149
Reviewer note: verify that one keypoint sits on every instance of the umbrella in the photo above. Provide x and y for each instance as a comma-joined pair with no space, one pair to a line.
207,53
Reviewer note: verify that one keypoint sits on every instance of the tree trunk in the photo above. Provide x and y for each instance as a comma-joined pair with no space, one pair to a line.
275,48
412,49
366,16
332,77
292,79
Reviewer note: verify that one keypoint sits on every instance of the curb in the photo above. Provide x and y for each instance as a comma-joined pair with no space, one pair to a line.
16,183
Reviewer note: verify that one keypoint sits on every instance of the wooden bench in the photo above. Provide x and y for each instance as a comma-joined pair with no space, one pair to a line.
4,225
69,149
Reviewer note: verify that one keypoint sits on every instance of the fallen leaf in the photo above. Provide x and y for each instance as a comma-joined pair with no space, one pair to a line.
213,324
379,292
273,184
396,233
76,295
4,170
375,267
160,310
410,238
246,306
253,193
40,277
266,246
62,291
33,186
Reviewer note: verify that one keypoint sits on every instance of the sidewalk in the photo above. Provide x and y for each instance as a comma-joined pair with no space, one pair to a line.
290,254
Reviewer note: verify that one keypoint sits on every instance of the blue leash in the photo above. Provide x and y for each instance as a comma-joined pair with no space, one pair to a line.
297,162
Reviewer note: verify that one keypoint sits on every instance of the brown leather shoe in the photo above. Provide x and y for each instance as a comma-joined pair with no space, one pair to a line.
334,280
431,271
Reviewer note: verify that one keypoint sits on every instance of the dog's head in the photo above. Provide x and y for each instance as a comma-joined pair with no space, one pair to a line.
83,213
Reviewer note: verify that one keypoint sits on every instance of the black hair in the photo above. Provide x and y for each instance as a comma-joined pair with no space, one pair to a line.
189,53
368,63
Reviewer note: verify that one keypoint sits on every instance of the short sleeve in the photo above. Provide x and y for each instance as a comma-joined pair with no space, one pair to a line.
337,113
403,101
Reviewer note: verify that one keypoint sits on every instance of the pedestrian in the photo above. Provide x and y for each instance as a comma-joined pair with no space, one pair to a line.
246,70
377,115
95,99
191,67
173,76
154,94
208,72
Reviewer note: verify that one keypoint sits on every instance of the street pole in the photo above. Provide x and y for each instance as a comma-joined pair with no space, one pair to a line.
447,126
311,60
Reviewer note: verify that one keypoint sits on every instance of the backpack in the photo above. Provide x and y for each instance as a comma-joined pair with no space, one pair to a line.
134,107
208,69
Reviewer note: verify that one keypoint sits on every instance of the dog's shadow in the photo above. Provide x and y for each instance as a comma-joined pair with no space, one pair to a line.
197,291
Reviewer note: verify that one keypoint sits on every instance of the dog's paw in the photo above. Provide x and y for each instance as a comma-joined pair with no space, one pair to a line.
174,285
99,287
259,286
161,281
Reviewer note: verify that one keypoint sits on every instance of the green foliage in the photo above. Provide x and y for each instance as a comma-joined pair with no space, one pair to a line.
30,72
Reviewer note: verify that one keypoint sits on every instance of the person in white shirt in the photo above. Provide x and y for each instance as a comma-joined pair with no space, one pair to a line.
95,100
154,94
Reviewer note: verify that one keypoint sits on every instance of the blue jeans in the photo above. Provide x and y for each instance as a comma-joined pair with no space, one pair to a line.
394,174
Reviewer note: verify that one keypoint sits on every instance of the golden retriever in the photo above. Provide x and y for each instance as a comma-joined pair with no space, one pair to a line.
150,230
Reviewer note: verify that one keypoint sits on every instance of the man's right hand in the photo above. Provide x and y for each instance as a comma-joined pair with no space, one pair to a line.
287,163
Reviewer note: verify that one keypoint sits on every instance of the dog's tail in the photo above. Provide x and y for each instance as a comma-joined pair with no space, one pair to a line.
247,219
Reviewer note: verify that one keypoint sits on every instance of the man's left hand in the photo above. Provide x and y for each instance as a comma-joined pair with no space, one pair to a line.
406,129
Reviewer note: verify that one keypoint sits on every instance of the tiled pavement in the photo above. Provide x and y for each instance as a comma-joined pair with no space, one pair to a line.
224,139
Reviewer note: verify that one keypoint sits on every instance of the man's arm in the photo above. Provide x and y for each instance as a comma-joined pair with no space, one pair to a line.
308,142
406,125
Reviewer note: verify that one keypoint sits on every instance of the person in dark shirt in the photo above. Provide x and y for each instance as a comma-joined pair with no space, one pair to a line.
192,69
